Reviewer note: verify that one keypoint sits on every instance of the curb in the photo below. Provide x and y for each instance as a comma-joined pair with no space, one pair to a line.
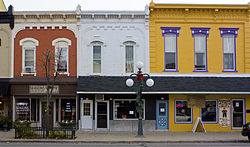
113,142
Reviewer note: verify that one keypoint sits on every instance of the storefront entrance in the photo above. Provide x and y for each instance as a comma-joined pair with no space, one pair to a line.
51,114
102,115
238,113
162,115
86,114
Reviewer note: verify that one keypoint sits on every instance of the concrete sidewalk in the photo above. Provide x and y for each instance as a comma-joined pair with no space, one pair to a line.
130,137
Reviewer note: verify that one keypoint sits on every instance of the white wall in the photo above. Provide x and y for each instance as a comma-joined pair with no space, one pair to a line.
113,29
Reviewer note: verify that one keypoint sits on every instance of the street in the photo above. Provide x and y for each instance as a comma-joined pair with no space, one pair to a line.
124,144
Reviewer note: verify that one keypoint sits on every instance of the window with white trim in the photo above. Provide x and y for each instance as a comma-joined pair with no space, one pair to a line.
200,52
61,58
97,56
126,109
183,114
29,56
129,56
170,51
209,113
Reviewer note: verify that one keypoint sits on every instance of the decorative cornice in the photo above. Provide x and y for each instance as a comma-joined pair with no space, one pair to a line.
114,14
170,30
229,31
200,31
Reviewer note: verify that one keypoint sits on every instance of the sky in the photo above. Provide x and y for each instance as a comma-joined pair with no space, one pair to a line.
55,5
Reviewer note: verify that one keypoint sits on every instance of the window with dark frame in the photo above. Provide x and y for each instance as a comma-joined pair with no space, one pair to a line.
125,109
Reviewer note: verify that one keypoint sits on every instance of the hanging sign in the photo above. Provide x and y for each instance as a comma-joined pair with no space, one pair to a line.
224,112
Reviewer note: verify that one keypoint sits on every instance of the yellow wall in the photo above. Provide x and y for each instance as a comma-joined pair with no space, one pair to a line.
196,113
186,17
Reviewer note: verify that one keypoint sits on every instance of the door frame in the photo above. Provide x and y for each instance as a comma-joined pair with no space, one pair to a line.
102,129
81,112
157,115
244,112
54,111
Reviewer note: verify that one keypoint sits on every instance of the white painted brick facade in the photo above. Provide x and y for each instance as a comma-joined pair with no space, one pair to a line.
113,28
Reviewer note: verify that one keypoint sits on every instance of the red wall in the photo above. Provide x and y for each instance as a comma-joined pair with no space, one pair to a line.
45,38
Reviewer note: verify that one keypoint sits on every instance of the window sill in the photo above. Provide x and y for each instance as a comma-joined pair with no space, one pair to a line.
229,71
28,74
211,122
200,71
183,122
169,70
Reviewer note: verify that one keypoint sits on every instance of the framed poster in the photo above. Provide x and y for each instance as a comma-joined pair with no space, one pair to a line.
224,112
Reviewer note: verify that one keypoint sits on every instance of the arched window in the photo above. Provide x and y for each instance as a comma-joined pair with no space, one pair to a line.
29,54
61,54
129,56
97,56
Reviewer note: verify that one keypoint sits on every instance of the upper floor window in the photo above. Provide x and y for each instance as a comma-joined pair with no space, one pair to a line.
200,48
97,56
170,47
129,56
229,48
29,54
61,54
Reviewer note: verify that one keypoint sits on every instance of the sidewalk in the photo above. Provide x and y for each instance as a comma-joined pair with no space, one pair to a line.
130,137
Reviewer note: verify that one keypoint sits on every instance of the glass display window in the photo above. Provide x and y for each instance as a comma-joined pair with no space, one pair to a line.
126,109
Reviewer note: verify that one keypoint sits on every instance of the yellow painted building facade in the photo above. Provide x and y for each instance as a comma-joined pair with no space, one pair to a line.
214,17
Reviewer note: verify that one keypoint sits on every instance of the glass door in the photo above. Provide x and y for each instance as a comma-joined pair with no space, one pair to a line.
102,115
237,113
162,115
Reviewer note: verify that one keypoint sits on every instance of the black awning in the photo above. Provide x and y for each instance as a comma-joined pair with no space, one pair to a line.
166,84
4,87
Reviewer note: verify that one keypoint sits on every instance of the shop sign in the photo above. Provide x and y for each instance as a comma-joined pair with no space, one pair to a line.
196,102
42,89
224,112
22,108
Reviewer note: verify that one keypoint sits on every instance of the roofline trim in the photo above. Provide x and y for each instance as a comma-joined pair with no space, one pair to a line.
165,92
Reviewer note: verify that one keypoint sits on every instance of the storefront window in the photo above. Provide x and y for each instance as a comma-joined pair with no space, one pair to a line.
125,109
182,112
23,109
68,111
209,113
27,109
1,107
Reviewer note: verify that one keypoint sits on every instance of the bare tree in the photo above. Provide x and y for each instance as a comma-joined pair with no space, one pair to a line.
51,63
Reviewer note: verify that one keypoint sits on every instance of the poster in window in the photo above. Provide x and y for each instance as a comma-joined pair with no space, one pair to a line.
224,112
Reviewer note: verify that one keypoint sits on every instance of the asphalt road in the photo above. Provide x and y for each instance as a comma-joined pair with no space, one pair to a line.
245,144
